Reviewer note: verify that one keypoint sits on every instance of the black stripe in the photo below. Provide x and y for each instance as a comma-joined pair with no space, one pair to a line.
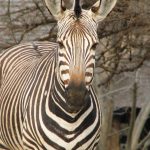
77,8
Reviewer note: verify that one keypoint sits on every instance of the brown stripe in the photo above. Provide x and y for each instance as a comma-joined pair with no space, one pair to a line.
66,81
88,74
90,66
65,71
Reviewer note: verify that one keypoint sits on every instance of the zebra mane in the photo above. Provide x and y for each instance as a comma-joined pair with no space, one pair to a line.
77,8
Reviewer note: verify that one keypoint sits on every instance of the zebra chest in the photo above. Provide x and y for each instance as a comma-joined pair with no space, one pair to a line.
50,131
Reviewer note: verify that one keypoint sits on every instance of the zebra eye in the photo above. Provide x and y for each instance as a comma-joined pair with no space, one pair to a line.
61,45
94,46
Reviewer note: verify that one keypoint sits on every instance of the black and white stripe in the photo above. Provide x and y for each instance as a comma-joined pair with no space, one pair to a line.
33,114
46,97
71,32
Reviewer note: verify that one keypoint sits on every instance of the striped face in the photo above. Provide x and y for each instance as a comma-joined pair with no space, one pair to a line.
77,40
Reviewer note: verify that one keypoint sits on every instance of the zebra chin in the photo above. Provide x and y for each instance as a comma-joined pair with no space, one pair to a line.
76,97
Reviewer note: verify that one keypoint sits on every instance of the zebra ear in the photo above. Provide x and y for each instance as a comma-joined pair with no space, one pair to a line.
102,8
56,7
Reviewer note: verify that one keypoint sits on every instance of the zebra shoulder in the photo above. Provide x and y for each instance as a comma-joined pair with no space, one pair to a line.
44,47
29,50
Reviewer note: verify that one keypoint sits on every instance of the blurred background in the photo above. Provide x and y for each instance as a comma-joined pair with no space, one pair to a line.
122,74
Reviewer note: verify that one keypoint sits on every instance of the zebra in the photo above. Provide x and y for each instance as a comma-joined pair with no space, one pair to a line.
47,101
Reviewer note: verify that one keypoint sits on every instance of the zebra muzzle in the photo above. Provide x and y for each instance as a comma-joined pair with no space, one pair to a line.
76,97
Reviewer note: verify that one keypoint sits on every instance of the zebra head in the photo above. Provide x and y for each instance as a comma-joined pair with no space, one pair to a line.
77,38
